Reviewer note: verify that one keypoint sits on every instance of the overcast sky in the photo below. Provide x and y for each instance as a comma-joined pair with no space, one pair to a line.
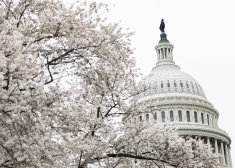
203,34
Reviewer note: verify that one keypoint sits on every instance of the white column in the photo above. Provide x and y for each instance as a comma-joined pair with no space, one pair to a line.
165,51
222,152
199,116
230,158
169,53
208,140
175,112
163,54
227,158
192,116
158,54
199,138
172,54
216,148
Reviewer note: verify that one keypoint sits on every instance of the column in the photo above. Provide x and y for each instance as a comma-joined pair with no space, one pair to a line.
169,49
192,113
163,54
176,119
222,152
199,137
158,54
171,53
216,148
226,153
212,120
231,165
208,140
165,51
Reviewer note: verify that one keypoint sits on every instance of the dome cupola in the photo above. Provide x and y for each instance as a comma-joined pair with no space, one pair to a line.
166,78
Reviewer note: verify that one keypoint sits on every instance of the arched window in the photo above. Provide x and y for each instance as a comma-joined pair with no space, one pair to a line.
192,86
155,116
202,116
147,117
140,118
208,120
175,85
162,85
181,84
171,116
187,85
188,116
168,84
163,116
180,116
195,117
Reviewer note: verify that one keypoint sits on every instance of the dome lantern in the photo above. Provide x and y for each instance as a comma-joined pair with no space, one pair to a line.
164,48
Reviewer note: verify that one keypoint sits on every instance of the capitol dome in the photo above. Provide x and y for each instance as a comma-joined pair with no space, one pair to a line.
177,98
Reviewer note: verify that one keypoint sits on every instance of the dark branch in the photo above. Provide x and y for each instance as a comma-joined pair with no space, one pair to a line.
126,155
48,68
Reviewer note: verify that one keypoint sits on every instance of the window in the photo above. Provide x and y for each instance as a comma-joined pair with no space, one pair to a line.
134,120
180,116
140,118
188,116
162,85
208,120
195,117
171,116
147,117
175,85
187,85
181,84
155,116
192,86
163,116
202,118
168,84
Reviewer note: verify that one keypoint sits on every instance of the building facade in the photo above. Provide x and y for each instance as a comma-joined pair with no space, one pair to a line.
179,99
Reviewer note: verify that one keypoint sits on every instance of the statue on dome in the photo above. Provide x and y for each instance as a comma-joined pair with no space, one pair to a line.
162,26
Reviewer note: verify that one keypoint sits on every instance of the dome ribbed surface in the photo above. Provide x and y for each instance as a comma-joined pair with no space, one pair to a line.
170,79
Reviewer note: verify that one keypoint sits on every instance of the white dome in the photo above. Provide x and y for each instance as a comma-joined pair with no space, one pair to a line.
169,79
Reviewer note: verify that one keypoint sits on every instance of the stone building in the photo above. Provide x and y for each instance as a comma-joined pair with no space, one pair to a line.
179,99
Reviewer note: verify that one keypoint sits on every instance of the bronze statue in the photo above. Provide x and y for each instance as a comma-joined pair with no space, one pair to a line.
162,26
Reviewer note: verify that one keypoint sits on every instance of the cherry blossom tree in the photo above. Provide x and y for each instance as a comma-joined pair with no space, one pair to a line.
66,78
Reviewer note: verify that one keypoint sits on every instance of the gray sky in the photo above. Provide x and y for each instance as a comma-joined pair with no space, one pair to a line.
203,33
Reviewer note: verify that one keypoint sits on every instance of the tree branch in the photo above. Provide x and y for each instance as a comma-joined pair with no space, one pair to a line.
125,155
